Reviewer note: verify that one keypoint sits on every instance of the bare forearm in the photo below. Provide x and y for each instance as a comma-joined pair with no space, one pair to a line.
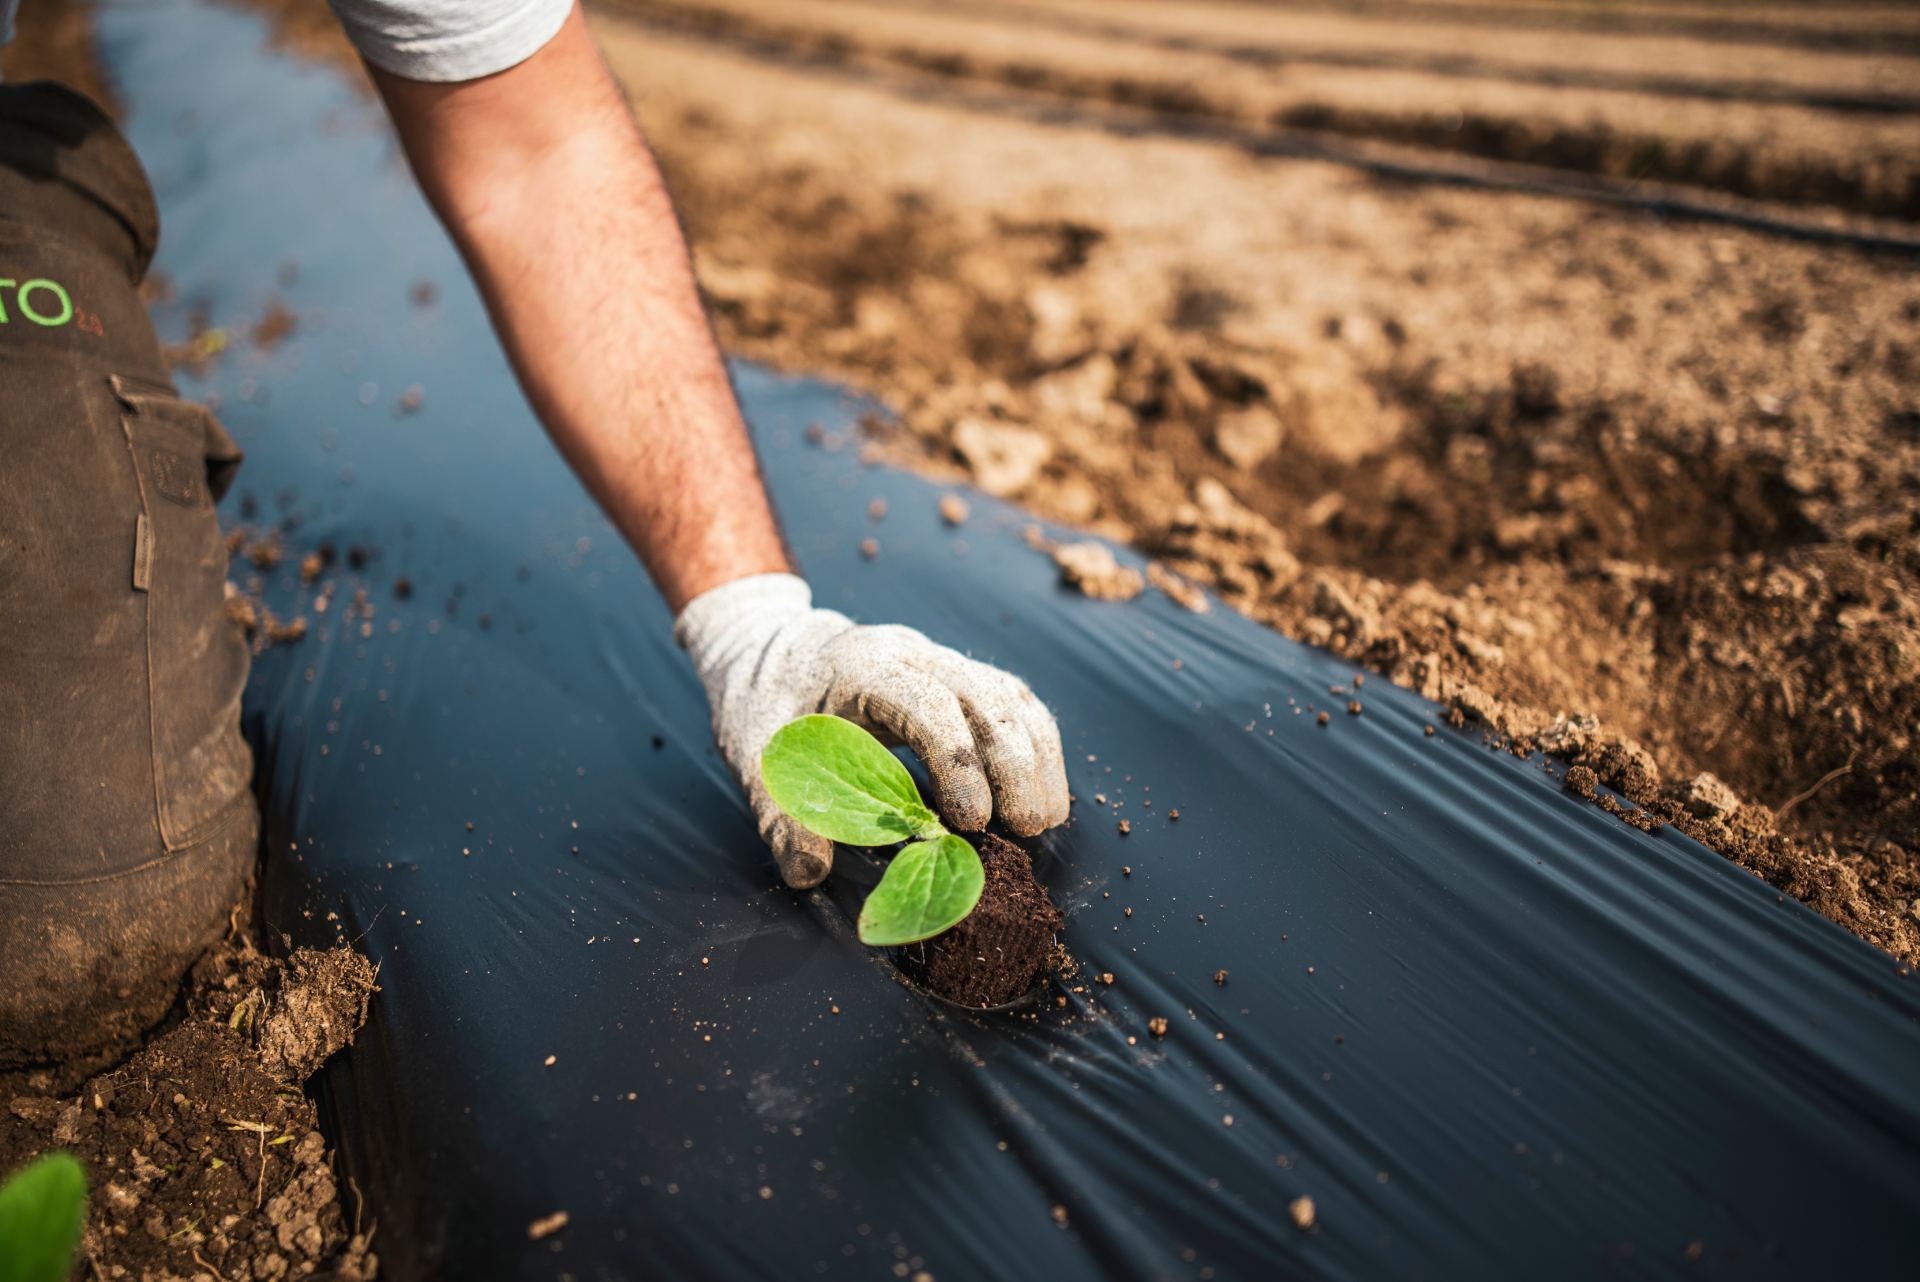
544,180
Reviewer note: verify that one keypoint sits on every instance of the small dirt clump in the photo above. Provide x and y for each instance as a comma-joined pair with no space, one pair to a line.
996,952
1092,568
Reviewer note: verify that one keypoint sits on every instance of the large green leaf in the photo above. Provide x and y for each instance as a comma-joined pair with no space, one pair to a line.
927,888
836,780
42,1210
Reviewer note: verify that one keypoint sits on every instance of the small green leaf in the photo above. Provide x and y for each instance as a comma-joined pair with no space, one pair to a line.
836,780
927,888
42,1210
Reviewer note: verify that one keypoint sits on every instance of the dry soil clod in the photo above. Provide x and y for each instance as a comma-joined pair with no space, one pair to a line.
1092,569
548,1225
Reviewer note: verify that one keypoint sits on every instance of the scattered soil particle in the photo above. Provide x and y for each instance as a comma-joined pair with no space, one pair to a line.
1126,826
1321,719
877,510
402,588
954,509
1220,978
274,631
1180,590
260,623
1353,708
1091,568
548,1225
315,563
1302,1212
203,1155
870,547
1174,813
1157,1026
275,326
994,955
266,551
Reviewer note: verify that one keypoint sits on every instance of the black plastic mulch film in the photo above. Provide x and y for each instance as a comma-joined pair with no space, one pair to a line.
1489,1030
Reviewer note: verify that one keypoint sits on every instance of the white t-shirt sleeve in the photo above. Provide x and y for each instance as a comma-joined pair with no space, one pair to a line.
446,40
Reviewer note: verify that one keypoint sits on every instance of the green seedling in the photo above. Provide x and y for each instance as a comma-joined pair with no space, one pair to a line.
836,780
42,1210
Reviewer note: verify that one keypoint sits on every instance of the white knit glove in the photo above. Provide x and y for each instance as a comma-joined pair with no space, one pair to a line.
766,656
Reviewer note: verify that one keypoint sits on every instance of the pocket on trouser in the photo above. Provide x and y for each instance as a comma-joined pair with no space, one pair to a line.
196,659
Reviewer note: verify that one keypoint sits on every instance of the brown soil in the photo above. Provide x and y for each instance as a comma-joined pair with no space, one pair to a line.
1784,125
1626,487
203,1157
53,39
997,952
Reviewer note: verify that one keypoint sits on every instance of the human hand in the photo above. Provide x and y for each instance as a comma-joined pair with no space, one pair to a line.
766,656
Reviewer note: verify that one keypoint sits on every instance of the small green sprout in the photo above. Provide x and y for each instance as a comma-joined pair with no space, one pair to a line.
42,1210
836,780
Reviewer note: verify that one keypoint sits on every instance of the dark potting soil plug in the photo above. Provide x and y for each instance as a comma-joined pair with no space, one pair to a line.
975,932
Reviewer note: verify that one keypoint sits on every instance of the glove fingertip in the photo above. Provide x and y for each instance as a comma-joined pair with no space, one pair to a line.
962,793
803,858
803,869
1028,823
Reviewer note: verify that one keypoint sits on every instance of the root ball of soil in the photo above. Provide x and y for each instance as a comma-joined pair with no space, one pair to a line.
996,953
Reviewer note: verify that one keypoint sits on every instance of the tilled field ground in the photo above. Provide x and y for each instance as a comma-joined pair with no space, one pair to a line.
1379,321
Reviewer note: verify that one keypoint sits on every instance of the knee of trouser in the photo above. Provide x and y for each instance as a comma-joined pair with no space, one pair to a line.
91,966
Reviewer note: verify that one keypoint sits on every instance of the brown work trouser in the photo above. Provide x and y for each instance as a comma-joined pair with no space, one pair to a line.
127,830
